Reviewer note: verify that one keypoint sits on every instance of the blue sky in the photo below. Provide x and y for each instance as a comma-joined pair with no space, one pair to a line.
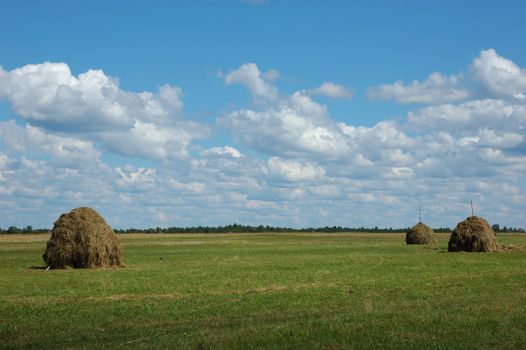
263,112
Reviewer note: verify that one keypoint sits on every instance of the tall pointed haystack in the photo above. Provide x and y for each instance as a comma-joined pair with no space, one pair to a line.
473,235
421,234
80,239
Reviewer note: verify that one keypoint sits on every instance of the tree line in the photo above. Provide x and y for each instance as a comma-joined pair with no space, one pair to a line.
237,228
27,229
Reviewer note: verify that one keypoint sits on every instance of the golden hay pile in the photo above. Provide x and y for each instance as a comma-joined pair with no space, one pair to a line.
473,235
420,234
80,239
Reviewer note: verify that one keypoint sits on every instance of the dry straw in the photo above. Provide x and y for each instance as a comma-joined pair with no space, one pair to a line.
421,234
82,239
473,235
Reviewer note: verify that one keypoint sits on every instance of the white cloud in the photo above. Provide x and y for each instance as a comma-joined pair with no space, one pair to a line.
149,140
382,165
500,76
33,140
192,186
492,138
4,161
135,178
223,151
270,75
50,95
437,88
331,90
93,105
4,83
294,170
293,126
384,144
490,76
297,127
249,75
470,115
385,133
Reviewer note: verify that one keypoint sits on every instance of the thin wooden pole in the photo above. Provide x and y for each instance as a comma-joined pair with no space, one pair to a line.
472,212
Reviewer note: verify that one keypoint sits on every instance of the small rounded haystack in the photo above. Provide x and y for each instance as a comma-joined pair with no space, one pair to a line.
473,235
421,234
81,238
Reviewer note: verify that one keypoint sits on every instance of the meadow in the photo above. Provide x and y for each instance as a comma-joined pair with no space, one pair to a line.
266,291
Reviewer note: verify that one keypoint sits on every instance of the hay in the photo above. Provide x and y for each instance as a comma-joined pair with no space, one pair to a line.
473,235
82,239
420,234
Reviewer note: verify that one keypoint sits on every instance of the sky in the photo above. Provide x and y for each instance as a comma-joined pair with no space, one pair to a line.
286,113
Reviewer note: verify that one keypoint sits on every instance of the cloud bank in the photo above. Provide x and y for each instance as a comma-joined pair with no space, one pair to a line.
83,140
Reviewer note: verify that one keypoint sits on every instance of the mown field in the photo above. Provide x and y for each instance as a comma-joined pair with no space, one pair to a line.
282,291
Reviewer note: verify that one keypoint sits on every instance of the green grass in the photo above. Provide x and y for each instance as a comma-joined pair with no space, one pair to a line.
292,291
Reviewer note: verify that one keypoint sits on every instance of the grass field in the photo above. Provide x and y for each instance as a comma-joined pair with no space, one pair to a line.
243,291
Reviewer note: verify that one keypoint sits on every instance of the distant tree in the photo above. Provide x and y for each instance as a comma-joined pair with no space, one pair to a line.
496,227
13,229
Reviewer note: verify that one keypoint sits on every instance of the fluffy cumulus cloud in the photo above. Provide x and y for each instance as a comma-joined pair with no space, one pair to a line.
294,126
498,75
489,76
287,162
150,140
437,88
258,83
142,124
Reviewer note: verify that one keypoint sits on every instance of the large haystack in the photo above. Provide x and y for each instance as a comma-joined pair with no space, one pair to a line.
473,235
421,234
81,238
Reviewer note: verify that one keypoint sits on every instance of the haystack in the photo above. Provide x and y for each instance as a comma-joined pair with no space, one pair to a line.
473,235
421,234
80,239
